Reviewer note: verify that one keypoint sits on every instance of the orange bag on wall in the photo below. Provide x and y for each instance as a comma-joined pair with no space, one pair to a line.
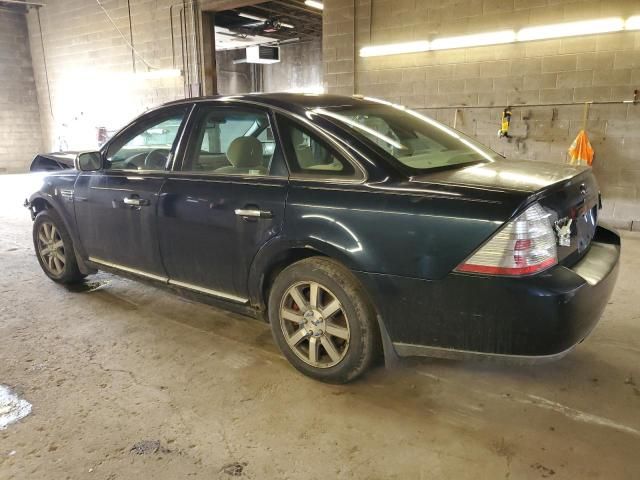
581,152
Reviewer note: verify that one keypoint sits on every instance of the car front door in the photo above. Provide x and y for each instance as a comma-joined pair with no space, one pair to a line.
116,205
223,201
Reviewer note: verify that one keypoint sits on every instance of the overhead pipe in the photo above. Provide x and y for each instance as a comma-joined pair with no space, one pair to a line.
271,11
184,57
173,43
133,54
171,26
184,42
634,101
196,44
355,48
191,47
185,39
28,4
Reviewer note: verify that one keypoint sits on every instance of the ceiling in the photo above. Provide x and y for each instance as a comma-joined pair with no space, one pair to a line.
272,21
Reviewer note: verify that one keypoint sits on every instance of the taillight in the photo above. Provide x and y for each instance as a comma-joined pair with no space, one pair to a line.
524,246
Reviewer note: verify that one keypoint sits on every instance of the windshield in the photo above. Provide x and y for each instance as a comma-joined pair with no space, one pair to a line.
415,140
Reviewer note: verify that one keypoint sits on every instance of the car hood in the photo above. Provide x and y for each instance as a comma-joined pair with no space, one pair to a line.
66,158
503,175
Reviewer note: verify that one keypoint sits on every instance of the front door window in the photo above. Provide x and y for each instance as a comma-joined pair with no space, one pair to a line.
148,145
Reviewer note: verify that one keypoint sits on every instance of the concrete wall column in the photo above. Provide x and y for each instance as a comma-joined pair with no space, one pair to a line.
20,131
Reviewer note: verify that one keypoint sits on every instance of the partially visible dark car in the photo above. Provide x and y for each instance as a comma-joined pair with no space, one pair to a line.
50,162
353,226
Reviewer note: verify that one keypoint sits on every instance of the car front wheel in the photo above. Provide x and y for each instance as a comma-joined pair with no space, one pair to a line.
322,321
54,248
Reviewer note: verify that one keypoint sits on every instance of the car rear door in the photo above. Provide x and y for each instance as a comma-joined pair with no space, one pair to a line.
223,201
116,206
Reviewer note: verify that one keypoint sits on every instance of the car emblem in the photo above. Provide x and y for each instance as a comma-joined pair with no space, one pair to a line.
563,230
583,189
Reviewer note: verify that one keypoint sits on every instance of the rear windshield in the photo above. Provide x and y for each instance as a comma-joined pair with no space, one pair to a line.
416,141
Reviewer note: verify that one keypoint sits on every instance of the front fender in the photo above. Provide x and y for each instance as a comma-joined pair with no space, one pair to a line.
57,193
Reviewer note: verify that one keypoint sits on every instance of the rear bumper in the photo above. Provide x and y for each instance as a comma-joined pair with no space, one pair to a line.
541,317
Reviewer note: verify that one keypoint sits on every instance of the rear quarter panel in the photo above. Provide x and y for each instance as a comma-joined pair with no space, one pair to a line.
395,228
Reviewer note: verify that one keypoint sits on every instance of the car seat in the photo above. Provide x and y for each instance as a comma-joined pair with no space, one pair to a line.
304,154
245,156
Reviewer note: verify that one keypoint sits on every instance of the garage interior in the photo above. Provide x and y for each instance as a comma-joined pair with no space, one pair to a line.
123,379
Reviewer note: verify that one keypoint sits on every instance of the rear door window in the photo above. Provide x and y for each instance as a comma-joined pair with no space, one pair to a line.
230,140
309,156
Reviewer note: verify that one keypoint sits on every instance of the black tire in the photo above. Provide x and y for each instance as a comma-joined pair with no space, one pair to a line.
358,316
69,273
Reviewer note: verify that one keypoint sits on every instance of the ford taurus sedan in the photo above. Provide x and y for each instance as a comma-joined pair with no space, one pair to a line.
353,226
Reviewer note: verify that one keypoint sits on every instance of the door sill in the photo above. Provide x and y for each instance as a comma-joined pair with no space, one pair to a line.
135,271
176,283
208,291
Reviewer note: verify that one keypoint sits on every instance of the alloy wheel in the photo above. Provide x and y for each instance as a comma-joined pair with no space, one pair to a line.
314,324
51,248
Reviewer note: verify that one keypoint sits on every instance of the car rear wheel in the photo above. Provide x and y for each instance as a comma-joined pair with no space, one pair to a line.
54,248
322,321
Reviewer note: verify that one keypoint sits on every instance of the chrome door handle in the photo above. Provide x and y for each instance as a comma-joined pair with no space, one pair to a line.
251,212
135,202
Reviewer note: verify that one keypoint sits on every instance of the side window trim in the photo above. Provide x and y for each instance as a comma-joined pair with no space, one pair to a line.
191,135
361,174
183,139
175,147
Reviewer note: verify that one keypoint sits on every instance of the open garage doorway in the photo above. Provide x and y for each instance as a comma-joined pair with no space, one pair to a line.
268,47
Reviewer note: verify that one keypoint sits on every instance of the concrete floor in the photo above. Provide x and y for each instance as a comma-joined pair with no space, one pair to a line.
126,363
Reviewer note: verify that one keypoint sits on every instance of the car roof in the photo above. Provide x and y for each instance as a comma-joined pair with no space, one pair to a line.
294,102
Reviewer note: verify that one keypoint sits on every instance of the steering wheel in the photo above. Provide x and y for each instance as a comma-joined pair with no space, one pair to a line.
156,159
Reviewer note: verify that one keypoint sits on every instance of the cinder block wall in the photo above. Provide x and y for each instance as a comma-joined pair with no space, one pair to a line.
301,66
20,137
592,68
91,77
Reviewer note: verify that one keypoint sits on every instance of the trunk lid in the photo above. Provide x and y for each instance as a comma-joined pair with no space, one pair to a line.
507,175
570,194
575,204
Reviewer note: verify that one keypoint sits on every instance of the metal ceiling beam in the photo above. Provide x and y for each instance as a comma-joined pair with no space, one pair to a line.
283,14
298,7
220,5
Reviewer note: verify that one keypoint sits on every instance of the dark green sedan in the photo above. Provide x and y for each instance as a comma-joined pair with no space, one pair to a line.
355,227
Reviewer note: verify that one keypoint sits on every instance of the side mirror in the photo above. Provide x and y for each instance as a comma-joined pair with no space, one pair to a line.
88,161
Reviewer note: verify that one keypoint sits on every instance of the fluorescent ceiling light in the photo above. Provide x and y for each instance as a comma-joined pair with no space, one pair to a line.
394,48
558,30
314,4
252,17
633,23
572,29
477,40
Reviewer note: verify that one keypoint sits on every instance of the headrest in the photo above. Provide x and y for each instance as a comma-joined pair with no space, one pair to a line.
245,152
297,137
